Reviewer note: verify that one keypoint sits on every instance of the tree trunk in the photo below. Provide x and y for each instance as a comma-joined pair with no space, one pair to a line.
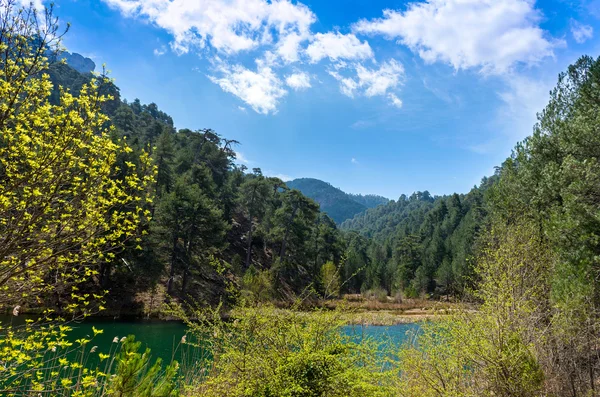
186,268
172,271
184,281
287,232
104,274
249,249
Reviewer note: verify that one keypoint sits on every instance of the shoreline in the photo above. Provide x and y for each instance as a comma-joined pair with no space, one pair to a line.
362,311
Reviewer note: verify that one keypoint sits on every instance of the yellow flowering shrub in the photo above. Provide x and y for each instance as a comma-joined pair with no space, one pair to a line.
62,208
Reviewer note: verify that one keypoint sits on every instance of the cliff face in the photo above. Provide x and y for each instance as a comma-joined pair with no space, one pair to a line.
79,62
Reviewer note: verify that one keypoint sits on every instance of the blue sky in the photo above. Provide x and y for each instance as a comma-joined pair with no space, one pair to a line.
384,97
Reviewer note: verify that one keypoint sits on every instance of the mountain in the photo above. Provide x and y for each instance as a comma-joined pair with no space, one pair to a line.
78,62
339,205
74,74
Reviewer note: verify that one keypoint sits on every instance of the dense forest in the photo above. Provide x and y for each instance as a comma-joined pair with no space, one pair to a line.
417,244
339,205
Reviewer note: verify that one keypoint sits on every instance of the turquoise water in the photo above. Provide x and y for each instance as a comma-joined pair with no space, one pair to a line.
394,334
163,337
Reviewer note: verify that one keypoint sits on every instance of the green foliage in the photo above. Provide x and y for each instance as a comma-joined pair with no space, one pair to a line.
330,279
536,331
75,368
551,183
67,205
496,351
257,285
369,200
135,377
265,351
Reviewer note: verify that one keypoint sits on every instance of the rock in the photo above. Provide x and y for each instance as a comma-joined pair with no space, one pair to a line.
78,62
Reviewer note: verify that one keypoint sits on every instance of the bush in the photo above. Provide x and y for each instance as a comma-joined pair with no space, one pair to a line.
410,292
377,293
257,285
330,279
267,352
497,351
135,377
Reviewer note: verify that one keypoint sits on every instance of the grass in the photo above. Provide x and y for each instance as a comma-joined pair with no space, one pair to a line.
369,311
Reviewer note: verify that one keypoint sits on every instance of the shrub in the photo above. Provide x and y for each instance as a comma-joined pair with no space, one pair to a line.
135,377
377,293
266,352
66,206
497,351
330,279
257,285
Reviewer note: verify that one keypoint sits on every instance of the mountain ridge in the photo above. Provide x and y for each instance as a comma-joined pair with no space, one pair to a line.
336,203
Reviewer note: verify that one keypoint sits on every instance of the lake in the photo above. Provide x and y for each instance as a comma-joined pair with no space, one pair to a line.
163,336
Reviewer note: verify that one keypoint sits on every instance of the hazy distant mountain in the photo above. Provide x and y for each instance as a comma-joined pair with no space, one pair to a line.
336,203
78,62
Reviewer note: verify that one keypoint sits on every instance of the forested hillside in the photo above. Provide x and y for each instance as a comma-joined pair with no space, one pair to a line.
368,200
215,225
333,201
417,244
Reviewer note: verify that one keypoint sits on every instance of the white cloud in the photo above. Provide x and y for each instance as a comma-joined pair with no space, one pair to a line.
354,161
289,47
581,33
336,46
273,174
394,100
261,90
242,109
347,85
490,35
522,98
241,158
37,4
228,26
160,51
373,82
298,81
378,81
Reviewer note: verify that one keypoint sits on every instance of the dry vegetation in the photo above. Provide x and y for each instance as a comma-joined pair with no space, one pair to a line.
369,311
